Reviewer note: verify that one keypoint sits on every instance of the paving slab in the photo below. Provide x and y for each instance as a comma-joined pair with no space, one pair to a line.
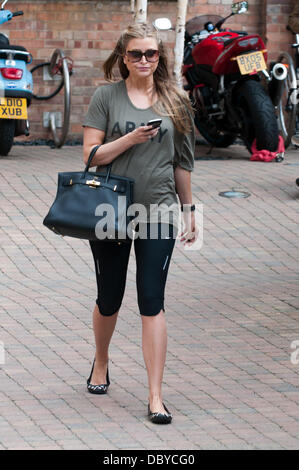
232,374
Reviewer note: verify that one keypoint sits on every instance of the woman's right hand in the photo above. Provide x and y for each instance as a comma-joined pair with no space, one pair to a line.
142,134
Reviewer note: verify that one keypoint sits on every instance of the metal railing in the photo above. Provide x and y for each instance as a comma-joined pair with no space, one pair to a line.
62,65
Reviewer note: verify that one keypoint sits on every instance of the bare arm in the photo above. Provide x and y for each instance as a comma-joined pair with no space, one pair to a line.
109,151
182,180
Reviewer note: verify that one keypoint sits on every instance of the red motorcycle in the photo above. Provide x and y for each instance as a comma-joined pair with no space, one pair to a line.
223,71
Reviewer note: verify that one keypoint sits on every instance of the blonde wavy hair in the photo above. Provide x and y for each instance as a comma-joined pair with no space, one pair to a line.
172,101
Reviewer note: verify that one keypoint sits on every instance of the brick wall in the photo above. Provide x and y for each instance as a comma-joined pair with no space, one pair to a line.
278,37
87,29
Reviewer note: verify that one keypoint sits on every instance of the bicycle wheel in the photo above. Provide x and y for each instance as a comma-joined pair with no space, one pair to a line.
286,110
56,90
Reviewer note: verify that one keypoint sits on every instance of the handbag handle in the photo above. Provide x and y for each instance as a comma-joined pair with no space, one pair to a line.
91,155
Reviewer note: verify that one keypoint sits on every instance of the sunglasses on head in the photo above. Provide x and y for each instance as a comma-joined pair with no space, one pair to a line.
151,55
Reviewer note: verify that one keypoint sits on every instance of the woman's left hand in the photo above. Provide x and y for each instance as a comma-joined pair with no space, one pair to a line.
190,233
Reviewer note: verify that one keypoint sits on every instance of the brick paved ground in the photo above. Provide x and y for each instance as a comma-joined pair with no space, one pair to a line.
232,312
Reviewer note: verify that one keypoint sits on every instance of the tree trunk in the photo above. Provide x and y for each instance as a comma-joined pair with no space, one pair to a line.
141,9
179,40
132,2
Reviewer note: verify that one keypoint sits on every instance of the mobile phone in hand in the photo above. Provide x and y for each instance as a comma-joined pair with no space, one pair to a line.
154,123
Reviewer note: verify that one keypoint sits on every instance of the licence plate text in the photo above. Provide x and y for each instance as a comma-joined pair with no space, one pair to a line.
13,108
251,63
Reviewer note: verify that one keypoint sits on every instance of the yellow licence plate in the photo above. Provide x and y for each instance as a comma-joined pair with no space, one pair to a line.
13,108
251,63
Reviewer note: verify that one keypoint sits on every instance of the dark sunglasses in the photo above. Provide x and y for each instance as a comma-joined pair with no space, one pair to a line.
151,55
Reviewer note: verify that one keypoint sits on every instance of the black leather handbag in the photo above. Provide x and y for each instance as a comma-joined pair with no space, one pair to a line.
91,205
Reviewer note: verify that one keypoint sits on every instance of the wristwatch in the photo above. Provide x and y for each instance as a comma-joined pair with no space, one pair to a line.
187,207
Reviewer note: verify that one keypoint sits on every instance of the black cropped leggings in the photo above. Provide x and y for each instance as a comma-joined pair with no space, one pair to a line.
152,263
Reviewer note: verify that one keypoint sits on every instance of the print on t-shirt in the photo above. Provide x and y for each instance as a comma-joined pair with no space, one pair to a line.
131,126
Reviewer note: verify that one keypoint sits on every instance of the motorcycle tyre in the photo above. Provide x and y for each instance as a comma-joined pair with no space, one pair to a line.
223,141
7,132
258,111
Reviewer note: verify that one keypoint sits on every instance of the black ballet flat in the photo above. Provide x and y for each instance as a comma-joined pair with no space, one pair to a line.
98,389
160,418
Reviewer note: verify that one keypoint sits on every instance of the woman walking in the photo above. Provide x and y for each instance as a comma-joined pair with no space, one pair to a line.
160,160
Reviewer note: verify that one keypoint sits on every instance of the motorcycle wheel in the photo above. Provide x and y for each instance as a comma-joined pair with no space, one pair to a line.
7,132
257,115
211,134
286,109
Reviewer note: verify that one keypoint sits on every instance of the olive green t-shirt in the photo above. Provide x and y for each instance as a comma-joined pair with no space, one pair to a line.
151,164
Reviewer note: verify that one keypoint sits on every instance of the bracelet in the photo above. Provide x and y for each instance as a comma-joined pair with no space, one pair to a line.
189,208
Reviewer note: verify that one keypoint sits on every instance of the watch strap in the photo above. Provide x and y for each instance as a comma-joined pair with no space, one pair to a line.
187,207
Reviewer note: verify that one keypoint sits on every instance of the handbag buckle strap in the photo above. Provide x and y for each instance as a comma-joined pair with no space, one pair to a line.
93,183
